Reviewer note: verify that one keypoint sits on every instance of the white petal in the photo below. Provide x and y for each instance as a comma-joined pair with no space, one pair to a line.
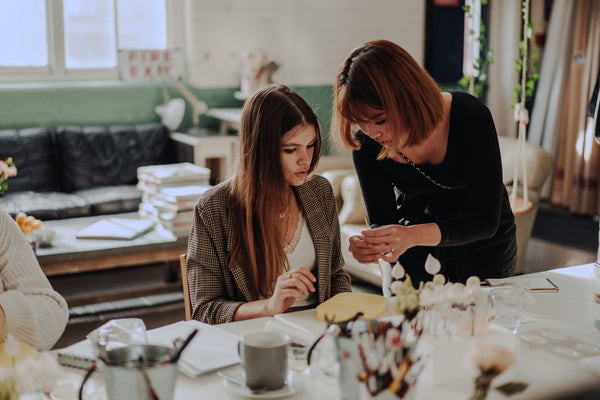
439,279
432,265
398,271
473,281
396,287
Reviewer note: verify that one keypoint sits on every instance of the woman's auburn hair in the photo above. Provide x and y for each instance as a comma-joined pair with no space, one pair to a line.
383,75
259,192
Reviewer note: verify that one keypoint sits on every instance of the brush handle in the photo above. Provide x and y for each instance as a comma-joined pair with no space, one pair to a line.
177,354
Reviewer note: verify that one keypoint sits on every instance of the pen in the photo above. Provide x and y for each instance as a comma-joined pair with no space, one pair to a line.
552,283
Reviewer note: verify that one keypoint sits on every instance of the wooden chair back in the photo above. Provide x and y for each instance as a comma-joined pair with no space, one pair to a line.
186,287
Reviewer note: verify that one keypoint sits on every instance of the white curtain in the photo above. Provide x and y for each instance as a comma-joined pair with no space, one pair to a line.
558,122
553,76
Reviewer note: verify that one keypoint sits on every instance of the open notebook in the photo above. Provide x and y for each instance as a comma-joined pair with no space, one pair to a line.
212,348
534,284
116,228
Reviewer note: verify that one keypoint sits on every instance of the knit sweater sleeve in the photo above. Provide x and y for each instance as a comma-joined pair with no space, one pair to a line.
35,313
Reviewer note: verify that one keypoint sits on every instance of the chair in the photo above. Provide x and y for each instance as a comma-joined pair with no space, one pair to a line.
186,287
539,165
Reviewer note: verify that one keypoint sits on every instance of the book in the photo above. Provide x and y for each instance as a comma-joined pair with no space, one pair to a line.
173,173
537,284
116,228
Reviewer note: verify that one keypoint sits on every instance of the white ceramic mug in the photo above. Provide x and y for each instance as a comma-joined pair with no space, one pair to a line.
264,358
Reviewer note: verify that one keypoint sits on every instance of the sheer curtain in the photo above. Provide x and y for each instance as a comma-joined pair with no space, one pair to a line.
559,122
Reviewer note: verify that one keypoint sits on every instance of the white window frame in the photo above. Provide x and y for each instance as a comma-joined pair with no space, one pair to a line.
56,69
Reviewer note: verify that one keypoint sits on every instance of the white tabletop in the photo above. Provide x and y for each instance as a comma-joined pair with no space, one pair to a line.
571,312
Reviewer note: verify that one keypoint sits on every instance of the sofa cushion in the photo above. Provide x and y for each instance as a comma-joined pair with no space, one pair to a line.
111,199
45,205
33,153
93,156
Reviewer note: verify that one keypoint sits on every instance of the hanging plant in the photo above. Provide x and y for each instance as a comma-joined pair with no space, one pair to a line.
483,56
531,62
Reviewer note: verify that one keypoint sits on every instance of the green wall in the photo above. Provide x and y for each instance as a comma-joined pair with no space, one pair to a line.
24,105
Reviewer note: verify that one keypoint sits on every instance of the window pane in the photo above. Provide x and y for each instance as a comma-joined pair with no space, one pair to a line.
24,22
89,34
142,24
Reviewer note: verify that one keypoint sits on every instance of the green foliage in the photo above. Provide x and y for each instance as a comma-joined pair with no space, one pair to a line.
482,62
533,65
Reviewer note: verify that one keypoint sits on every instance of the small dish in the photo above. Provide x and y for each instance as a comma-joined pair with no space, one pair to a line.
294,383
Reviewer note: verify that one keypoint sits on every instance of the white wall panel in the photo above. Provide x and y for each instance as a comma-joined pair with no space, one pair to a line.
308,38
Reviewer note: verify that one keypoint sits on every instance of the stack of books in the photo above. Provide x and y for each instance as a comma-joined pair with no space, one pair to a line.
170,192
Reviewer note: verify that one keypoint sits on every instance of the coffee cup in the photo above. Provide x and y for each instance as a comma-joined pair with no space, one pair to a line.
264,359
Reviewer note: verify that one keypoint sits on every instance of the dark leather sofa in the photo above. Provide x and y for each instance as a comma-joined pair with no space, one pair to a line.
78,171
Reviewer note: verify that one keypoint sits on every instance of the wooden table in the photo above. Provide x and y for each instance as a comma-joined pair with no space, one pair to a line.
71,255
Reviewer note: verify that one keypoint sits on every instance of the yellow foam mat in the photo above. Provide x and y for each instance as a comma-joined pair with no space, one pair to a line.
344,306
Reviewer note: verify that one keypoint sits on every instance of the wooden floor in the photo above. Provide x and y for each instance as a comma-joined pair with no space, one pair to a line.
140,291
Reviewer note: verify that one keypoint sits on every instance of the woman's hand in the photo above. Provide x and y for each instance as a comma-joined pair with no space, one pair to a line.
389,242
290,286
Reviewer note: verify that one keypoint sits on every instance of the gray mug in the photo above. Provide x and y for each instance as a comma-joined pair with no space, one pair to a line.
264,358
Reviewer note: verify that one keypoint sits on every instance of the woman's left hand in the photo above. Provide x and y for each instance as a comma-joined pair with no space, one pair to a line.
390,241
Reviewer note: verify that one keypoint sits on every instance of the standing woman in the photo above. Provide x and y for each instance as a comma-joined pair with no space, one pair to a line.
267,240
428,163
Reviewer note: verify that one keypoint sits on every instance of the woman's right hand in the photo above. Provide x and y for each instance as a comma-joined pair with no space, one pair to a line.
364,252
290,286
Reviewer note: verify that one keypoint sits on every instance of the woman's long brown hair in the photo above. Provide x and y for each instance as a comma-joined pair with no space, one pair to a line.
383,75
259,192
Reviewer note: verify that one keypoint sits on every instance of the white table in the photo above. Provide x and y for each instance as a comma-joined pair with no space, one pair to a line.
205,147
571,311
230,118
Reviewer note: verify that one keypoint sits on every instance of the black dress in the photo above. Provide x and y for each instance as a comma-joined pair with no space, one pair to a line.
473,212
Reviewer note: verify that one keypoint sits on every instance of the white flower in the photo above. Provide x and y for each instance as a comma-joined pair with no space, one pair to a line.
439,279
396,287
479,296
487,356
473,281
398,271
432,265
12,347
426,298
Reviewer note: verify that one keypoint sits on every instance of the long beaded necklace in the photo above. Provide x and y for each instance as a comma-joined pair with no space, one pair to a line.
430,179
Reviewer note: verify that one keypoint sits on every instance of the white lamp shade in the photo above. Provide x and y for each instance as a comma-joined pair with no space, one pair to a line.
171,113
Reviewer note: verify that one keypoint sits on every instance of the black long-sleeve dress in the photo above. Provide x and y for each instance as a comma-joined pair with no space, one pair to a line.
470,204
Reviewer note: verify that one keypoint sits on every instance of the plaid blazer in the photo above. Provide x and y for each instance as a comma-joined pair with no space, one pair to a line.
217,290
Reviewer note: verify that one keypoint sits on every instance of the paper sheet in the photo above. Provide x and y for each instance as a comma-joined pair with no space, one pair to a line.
211,349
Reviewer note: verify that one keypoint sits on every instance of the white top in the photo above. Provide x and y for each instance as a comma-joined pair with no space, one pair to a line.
35,313
301,253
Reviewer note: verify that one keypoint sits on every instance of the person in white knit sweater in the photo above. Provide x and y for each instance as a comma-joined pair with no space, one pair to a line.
30,309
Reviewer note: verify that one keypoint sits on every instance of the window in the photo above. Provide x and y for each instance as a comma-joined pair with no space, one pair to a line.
81,39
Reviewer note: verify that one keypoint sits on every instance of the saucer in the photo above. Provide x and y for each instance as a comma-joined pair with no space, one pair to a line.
294,383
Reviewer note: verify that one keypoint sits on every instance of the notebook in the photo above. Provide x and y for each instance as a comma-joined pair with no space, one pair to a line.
116,228
540,285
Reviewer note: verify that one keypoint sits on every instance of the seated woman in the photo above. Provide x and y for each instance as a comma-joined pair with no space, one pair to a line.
267,240
29,308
